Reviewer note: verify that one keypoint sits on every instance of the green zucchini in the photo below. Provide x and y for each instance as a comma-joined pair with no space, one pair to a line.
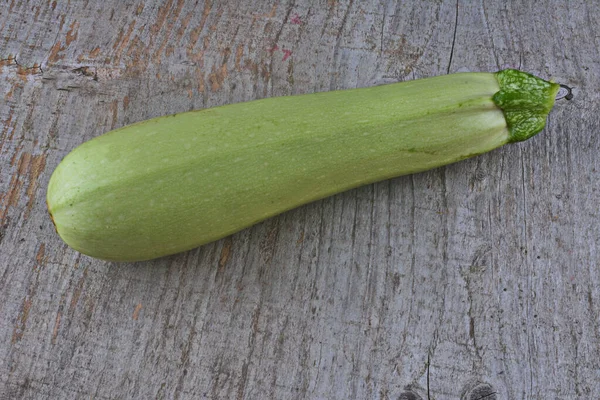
173,183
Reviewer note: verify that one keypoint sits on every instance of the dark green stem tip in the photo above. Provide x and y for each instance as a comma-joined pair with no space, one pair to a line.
526,101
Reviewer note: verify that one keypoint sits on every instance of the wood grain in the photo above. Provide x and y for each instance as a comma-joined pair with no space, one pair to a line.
478,279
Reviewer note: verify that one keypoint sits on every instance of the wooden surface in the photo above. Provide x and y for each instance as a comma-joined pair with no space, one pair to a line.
477,280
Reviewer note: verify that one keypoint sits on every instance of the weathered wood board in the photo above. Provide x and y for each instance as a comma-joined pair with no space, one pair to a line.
485,272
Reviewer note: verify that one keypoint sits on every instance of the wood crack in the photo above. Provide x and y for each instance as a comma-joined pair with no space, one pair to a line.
453,39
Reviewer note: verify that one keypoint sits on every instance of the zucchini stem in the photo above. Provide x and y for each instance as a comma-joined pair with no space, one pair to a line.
561,94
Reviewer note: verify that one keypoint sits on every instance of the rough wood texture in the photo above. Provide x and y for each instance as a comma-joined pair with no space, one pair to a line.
486,271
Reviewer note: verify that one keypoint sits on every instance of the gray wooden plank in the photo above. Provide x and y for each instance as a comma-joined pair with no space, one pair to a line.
483,272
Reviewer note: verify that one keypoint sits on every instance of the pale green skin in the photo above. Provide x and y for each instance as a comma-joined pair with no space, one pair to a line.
173,183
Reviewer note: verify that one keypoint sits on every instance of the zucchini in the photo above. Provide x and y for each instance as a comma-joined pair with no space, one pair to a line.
173,183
